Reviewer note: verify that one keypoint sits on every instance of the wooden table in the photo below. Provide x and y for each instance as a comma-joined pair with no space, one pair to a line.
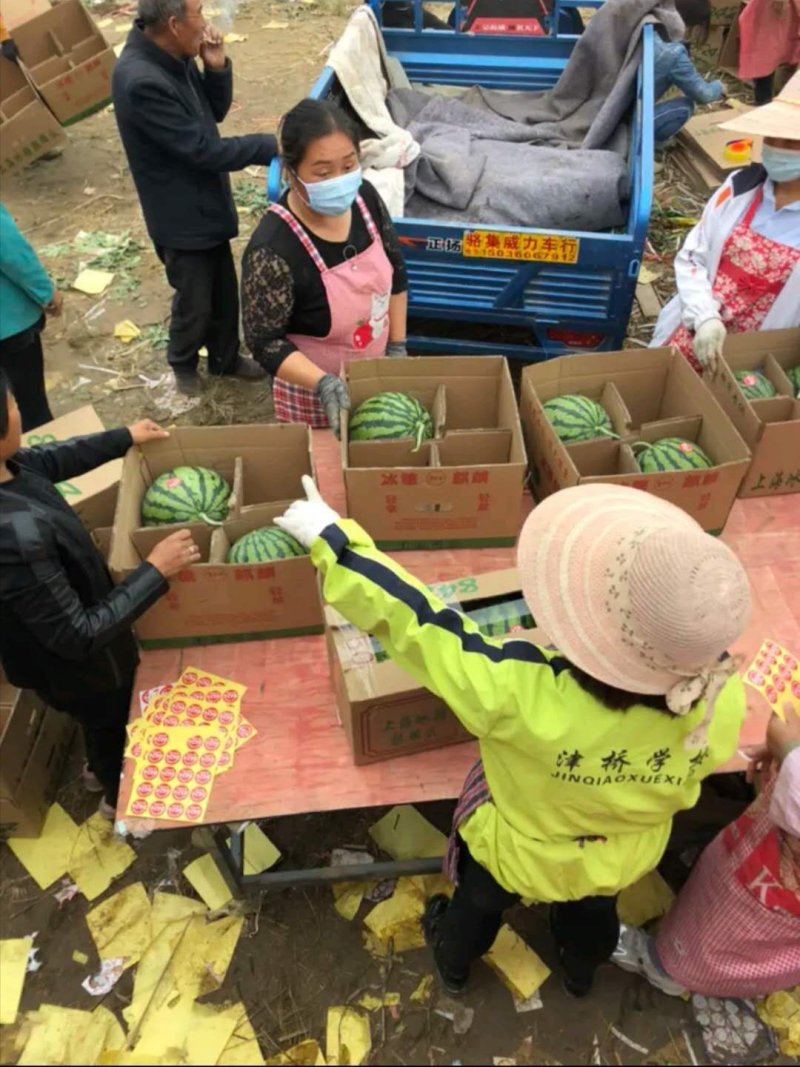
300,761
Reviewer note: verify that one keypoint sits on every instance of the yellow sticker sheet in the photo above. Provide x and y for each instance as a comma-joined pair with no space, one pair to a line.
775,674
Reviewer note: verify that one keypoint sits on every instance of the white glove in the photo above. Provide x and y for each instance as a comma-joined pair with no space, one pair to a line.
708,342
306,519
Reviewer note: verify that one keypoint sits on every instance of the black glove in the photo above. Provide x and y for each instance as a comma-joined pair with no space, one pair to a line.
334,397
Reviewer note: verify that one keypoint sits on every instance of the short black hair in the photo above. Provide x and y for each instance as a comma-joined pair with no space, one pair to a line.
616,699
5,393
307,122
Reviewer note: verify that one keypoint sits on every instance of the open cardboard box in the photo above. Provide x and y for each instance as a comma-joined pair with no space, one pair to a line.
34,743
27,129
465,486
68,60
771,427
662,397
384,711
215,601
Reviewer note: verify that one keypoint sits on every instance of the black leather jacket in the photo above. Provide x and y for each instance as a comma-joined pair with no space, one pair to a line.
65,629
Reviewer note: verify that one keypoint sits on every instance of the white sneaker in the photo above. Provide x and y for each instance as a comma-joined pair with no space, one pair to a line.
633,953
91,783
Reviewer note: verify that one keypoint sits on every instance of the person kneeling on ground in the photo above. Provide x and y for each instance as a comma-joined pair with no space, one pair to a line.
586,753
65,630
734,930
673,67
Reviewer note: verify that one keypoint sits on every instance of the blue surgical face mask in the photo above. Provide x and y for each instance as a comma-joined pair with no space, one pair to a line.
335,195
781,164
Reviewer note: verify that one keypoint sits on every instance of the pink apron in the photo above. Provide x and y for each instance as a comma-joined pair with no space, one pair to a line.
358,293
752,272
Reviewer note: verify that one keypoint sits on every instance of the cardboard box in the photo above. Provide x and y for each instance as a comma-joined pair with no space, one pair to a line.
215,601
462,488
27,129
14,12
92,495
702,137
705,52
724,12
661,396
770,427
34,743
68,60
384,711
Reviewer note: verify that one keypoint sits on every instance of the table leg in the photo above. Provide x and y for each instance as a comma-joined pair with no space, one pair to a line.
230,858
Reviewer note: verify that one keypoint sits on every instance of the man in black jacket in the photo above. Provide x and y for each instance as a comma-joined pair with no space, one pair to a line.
167,113
65,629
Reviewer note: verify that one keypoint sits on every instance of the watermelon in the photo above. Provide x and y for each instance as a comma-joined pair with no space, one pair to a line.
186,494
266,544
670,454
388,416
577,418
754,384
793,374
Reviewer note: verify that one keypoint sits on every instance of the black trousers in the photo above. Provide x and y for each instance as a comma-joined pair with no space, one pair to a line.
763,89
586,931
22,358
205,307
103,718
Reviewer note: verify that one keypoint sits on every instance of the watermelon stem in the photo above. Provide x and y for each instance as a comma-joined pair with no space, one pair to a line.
208,520
642,446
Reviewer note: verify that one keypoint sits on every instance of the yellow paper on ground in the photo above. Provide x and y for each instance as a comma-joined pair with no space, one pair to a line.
406,834
520,969
347,897
647,899
243,1049
67,1036
47,857
98,857
396,922
210,1031
349,1038
206,879
171,908
93,282
13,966
154,991
306,1054
781,1011
431,885
422,994
126,331
80,958
369,1002
204,953
259,852
121,926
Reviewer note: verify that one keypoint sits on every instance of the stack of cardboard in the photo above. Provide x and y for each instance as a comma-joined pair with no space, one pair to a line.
700,149
706,53
63,74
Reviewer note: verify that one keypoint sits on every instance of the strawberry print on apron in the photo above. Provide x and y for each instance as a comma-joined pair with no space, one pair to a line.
752,272
358,293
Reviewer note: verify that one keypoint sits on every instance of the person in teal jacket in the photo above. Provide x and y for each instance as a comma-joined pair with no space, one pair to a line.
586,752
26,295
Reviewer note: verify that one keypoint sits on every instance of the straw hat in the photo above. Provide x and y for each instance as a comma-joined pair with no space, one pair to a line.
631,590
781,118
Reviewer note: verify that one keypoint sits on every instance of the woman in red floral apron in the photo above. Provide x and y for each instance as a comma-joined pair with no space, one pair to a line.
739,268
323,278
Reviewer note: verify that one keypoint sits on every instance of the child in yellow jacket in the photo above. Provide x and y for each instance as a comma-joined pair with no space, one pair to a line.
586,753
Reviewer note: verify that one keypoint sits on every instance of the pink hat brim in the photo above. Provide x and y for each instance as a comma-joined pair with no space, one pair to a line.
565,551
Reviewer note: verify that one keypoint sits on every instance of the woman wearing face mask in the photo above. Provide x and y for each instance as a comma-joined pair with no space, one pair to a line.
739,268
323,277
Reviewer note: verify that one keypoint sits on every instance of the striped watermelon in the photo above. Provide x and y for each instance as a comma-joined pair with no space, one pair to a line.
577,418
793,374
267,544
186,494
388,416
671,454
754,384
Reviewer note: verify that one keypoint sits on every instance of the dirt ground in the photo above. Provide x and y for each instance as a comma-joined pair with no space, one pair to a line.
297,956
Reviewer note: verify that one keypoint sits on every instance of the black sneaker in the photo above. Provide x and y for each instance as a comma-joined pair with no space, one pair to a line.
435,909
187,382
247,369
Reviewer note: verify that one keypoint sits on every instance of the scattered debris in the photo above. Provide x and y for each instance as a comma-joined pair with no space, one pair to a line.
98,985
80,958
67,892
406,834
394,924
206,879
306,1054
457,1013
369,1002
519,968
47,857
531,1003
235,38
157,334
732,1031
98,857
127,331
781,1011
349,1037
121,925
422,994
93,282
250,197
618,1034
274,25
14,955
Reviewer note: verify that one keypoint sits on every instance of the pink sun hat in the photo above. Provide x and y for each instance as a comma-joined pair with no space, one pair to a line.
633,592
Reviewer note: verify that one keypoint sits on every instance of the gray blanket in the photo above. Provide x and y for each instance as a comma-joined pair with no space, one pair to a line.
499,157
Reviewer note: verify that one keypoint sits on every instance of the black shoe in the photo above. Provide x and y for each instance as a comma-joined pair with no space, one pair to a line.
435,909
578,978
247,369
187,382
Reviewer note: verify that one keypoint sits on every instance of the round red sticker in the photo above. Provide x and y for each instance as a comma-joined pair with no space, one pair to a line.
172,720
189,759
136,750
172,483
157,808
226,717
167,773
198,694
685,446
212,744
203,777
772,696
155,755
189,678
756,677
144,789
185,775
194,811
796,689
214,696
199,794
209,714
208,759
162,790
224,759
179,706
157,718
180,792
149,773
160,739
230,696
194,710
194,742
173,757
204,681
139,807
175,811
